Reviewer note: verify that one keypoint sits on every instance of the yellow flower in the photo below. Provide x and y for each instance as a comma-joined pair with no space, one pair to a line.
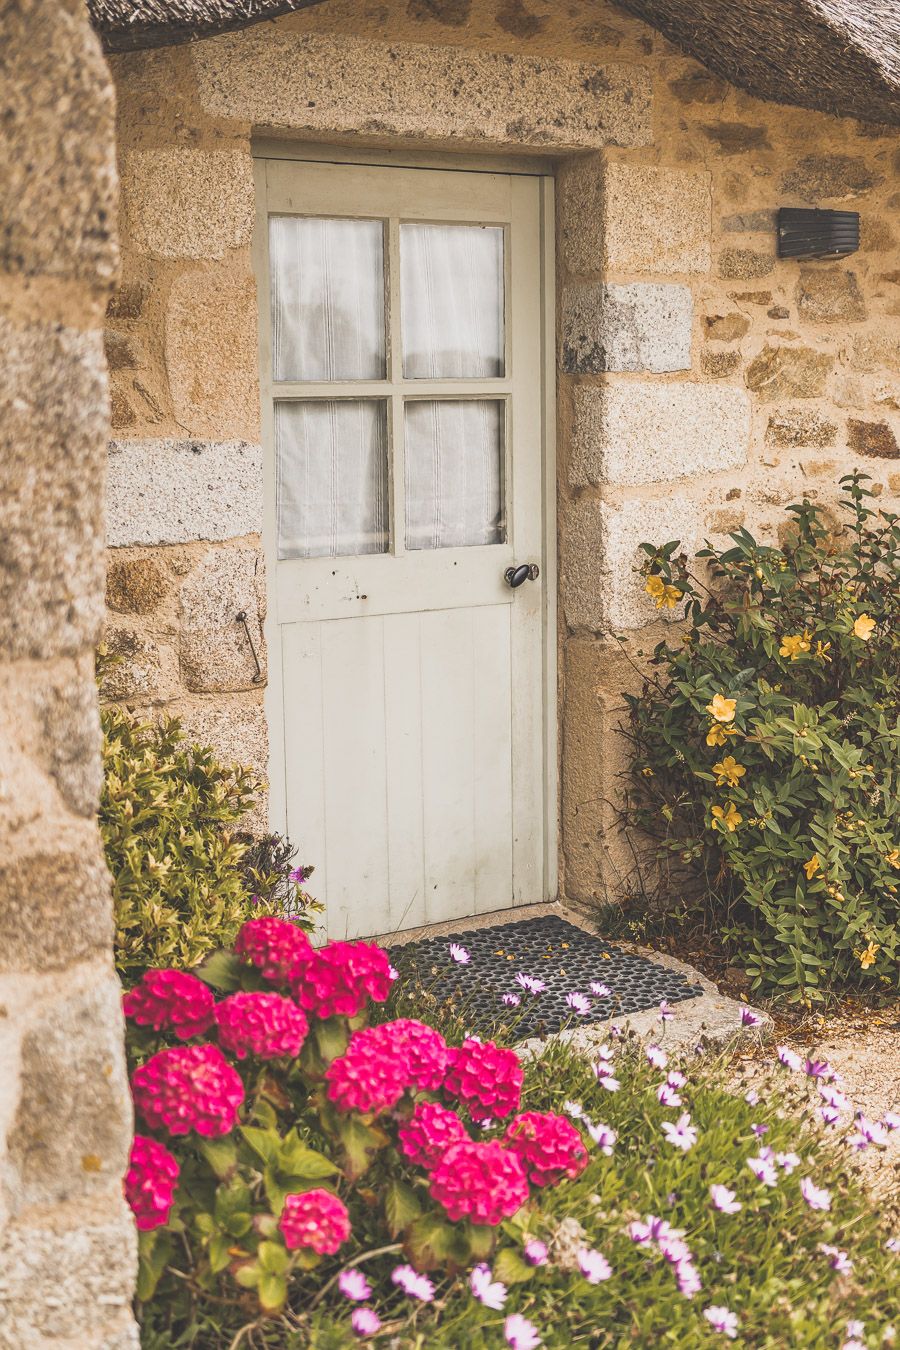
822,650
727,817
864,628
647,772
794,646
893,857
812,867
867,957
728,771
722,709
718,735
666,597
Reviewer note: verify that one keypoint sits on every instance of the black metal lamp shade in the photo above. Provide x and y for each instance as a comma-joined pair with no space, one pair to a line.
808,233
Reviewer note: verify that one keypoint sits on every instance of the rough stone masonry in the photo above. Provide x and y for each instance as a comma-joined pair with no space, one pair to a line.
67,1241
703,383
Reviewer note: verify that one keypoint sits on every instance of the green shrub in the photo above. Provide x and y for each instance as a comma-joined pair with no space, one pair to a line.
764,746
183,879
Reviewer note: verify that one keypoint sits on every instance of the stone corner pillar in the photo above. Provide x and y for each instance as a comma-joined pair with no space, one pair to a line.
67,1242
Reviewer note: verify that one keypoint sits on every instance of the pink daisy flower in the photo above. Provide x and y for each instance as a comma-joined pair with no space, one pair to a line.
520,1333
354,1285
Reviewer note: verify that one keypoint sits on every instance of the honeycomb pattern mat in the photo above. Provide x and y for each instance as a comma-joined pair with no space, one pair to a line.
565,958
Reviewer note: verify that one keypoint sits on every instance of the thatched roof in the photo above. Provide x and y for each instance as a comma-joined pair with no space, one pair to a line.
840,56
130,25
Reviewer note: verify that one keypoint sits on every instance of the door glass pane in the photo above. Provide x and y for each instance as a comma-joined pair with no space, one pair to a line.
451,301
332,477
454,473
327,298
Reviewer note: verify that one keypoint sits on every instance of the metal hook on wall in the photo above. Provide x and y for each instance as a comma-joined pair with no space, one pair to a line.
241,617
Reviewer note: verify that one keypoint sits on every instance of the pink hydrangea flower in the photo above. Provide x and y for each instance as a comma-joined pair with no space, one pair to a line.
338,980
370,1076
315,1219
150,1182
548,1147
429,1132
265,1025
423,1050
479,1181
276,947
171,1000
485,1078
191,1087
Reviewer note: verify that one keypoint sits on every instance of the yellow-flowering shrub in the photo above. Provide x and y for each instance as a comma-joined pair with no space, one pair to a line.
765,746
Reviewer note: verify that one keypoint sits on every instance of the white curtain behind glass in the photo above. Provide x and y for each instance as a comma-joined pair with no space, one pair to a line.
332,496
454,473
451,301
327,298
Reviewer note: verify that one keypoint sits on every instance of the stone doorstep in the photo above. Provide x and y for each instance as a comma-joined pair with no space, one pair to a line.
713,1019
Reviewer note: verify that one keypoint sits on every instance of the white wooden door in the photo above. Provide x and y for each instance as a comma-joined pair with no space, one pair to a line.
401,340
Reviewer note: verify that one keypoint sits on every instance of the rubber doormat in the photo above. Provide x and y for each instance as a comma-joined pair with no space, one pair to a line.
516,959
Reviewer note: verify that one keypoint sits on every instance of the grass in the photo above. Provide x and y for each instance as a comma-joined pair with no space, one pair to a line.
763,1263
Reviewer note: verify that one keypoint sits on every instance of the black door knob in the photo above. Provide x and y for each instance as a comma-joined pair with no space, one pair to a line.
514,576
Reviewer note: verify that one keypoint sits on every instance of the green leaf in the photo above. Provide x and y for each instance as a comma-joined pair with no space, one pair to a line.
219,1255
511,1268
221,970
297,1159
331,1038
155,1250
272,1291
265,1143
401,1206
360,1143
430,1242
221,1154
273,1258
248,1275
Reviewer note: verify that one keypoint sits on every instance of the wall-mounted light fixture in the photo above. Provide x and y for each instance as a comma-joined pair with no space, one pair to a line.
807,233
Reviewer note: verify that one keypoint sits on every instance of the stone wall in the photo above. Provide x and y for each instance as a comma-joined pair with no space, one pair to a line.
702,383
67,1242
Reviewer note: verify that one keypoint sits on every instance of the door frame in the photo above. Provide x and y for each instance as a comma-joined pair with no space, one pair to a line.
267,149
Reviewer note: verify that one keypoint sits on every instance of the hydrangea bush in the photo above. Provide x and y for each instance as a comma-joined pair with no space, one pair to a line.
766,742
311,1171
